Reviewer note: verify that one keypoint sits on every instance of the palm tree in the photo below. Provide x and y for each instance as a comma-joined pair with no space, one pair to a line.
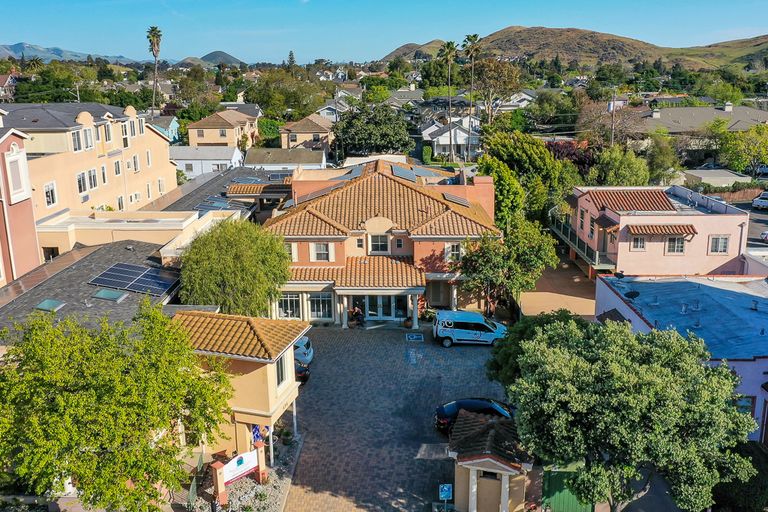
34,64
154,36
447,54
471,49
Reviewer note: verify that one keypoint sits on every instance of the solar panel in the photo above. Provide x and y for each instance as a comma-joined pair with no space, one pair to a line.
136,278
455,199
247,180
404,173
354,172
423,171
318,193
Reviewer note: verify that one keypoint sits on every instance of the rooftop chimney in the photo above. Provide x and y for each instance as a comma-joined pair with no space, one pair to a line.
656,114
728,107
412,86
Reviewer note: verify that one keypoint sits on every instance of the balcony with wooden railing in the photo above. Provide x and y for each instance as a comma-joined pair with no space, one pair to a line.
598,260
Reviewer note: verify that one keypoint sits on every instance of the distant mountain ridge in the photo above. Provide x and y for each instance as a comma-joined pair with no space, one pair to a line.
589,47
53,53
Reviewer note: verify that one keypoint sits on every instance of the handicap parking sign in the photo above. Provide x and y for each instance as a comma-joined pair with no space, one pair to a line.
414,336
446,492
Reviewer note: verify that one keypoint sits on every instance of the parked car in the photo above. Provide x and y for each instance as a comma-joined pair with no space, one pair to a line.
302,372
764,236
446,414
761,171
303,351
761,201
451,327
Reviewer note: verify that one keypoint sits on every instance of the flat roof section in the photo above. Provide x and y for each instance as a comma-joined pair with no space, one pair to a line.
729,313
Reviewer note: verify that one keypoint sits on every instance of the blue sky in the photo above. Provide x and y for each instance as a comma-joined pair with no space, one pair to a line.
265,30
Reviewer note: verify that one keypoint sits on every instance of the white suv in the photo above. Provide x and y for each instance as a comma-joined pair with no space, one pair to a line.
452,327
760,202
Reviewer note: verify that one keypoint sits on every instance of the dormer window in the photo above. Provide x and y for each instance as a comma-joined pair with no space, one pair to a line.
379,244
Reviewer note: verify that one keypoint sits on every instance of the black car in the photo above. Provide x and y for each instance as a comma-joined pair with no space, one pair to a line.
446,414
302,372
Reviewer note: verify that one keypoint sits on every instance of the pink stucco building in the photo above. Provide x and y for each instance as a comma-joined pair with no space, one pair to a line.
653,230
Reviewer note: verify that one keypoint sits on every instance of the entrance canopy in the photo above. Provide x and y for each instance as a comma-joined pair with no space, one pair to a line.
383,275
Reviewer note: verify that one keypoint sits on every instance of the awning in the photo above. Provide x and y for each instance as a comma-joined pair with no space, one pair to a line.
662,229
606,223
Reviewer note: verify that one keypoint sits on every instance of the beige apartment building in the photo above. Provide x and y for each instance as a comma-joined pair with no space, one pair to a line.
224,128
89,156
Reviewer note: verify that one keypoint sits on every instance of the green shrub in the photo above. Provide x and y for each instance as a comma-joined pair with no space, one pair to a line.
735,187
426,154
269,131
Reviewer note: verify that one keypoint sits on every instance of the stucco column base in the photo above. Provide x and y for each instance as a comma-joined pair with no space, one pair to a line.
572,254
219,490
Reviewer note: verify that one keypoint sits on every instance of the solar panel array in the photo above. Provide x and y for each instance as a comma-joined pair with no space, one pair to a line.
355,172
402,172
215,203
456,199
318,193
247,180
137,278
424,172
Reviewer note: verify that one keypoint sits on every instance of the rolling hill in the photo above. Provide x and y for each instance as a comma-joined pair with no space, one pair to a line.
219,57
588,47
54,53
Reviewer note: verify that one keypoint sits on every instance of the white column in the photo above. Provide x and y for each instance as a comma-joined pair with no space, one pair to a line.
415,312
472,490
271,447
344,311
454,297
295,420
304,304
336,307
504,507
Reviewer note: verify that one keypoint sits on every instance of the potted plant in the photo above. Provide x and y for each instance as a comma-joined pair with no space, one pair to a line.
408,323
287,437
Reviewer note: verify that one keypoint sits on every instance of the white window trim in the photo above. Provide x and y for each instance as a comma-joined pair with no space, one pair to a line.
632,247
52,184
666,246
370,244
160,186
141,125
88,178
727,244
108,132
86,132
19,156
331,252
117,167
447,251
149,159
119,198
281,362
79,137
136,164
104,175
85,180
149,190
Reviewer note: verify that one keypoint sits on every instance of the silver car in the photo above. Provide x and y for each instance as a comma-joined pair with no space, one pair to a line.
303,351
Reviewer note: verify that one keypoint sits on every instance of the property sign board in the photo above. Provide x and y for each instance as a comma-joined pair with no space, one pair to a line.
240,466
446,492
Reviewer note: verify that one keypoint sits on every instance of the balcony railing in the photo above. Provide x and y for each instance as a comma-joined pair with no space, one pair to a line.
595,258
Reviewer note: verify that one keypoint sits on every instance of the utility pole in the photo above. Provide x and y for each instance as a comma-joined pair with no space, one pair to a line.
613,114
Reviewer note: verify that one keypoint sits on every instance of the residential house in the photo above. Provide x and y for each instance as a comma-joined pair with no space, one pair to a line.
653,231
166,89
225,128
259,357
490,465
91,156
168,126
520,99
332,109
7,87
19,250
349,91
689,121
462,137
379,236
197,160
249,109
727,312
285,161
312,132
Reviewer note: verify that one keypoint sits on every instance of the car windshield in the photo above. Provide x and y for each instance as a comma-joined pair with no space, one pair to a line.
490,324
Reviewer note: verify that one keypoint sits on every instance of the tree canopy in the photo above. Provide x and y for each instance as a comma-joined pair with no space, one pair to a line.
509,194
616,166
745,151
236,265
99,406
662,159
627,405
368,130
495,79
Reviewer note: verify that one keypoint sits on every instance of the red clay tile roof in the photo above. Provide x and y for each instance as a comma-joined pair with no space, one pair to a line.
365,272
234,335
245,189
627,200
662,229
378,193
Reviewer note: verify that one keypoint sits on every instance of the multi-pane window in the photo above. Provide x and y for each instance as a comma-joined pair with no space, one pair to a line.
120,203
675,245
379,243
135,163
289,306
280,367
188,168
745,404
200,133
141,126
82,184
77,143
454,252
718,245
118,171
292,137
222,132
104,174
161,186
88,136
321,305
360,243
638,243
97,132
149,191
582,213
50,194
93,178
315,137
133,128
108,132
399,243
322,252
126,139
591,227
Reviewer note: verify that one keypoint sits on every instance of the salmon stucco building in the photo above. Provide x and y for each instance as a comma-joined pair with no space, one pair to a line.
380,237
225,128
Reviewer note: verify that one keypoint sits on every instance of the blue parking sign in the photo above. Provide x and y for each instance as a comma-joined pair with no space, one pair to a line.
446,492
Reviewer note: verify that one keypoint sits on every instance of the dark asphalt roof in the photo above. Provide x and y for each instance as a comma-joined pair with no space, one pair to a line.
70,285
479,435
54,116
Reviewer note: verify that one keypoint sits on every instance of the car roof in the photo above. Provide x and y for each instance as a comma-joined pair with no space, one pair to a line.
444,314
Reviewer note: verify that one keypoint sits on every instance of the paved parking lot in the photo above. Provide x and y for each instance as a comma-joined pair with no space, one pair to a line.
366,414
758,222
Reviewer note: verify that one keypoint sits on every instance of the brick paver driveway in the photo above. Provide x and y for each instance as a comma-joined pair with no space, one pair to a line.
366,415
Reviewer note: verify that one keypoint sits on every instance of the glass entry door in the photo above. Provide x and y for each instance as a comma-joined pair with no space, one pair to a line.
381,307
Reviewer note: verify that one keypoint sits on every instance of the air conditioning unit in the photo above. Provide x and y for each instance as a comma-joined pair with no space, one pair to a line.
85,198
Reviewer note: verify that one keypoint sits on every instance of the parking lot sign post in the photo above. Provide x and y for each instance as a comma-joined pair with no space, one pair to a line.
446,493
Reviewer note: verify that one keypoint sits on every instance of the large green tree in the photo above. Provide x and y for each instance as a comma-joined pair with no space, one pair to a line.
509,194
447,53
627,405
616,166
494,80
367,130
100,406
236,265
662,159
500,269
283,94
154,37
745,151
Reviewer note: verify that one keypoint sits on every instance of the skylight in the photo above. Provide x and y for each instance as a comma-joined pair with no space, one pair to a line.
50,305
110,295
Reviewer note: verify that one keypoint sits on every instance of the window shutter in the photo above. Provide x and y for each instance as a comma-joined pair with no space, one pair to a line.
447,251
294,251
331,251
312,252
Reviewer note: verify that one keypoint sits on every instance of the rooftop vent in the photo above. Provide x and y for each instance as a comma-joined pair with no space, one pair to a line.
754,305
728,107
656,114
684,308
696,306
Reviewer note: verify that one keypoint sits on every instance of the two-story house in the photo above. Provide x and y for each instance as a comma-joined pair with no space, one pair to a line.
225,128
653,231
91,156
312,132
19,251
380,236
